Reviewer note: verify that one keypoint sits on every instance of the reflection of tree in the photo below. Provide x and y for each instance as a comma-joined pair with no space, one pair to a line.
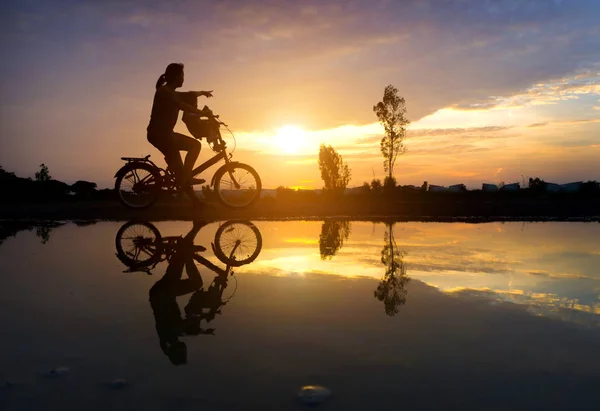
43,232
11,228
392,287
333,234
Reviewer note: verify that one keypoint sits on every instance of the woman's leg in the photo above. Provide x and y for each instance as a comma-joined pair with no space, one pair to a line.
192,146
166,146
170,148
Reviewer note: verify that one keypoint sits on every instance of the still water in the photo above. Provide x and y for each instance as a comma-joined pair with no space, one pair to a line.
240,315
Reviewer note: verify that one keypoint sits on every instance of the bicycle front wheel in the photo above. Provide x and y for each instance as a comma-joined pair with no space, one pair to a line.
237,242
237,185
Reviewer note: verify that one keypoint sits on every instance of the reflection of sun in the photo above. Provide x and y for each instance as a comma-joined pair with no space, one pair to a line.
290,139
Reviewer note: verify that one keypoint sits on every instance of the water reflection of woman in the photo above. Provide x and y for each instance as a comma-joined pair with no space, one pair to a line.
163,299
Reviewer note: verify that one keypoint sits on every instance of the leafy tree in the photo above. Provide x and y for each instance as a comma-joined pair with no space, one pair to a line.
365,188
391,114
333,235
5,175
389,183
537,184
392,287
334,171
376,185
43,174
83,188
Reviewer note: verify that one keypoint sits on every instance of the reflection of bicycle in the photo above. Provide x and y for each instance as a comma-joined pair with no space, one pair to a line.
140,181
140,246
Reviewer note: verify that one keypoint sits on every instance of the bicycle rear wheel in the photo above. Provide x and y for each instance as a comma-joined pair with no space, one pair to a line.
138,186
237,185
138,244
237,243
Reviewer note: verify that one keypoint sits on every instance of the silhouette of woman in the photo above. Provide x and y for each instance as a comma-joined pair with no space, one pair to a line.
165,110
169,323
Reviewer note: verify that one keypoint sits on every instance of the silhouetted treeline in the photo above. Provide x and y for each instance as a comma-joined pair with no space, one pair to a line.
382,193
411,202
15,189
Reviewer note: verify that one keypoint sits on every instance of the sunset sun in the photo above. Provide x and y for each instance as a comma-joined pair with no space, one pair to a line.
289,139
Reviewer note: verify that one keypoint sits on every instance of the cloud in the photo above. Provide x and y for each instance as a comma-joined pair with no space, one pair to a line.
545,304
454,131
542,273
450,149
311,63
288,55
551,91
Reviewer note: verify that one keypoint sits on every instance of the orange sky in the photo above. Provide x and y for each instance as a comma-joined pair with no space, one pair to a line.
496,94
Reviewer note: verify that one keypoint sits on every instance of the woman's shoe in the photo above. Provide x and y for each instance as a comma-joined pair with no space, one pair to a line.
196,181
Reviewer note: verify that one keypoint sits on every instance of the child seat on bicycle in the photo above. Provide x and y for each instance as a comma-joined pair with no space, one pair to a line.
198,127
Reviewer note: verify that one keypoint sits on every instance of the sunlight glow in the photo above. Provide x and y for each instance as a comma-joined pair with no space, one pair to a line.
290,139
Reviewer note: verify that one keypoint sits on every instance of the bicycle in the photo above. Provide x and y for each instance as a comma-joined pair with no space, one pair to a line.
140,246
140,181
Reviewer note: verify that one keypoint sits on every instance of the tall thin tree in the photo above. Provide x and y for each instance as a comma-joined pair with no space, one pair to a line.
392,287
391,113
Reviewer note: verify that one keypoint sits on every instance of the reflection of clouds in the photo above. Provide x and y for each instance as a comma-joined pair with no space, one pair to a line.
543,304
560,275
555,260
302,241
458,268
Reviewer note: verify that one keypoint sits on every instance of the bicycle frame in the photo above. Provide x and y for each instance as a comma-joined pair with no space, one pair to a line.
211,266
167,245
211,162
221,155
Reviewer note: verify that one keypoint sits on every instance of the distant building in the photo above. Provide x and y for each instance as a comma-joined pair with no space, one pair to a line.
511,187
457,188
571,187
489,187
563,188
437,189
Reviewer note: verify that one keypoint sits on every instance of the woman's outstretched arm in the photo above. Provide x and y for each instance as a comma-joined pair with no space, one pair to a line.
179,98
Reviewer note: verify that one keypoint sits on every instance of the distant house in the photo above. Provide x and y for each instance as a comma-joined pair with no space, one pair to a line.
457,188
437,189
489,187
563,188
511,187
552,187
571,187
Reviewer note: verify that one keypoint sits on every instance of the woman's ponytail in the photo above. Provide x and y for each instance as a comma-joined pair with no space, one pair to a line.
172,73
161,81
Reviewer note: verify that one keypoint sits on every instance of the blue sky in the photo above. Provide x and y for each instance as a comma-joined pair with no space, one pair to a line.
78,78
